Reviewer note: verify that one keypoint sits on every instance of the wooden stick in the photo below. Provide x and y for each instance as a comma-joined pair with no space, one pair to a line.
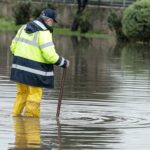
61,92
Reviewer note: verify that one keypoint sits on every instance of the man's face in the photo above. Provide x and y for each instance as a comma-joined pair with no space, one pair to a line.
49,22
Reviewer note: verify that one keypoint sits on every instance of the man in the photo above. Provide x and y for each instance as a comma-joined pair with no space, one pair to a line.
32,68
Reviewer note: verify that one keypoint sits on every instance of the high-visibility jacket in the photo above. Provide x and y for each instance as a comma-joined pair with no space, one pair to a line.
34,56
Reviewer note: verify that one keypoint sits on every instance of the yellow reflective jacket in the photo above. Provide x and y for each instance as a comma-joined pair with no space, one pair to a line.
34,57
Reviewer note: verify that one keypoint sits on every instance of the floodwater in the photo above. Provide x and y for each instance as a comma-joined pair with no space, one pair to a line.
106,101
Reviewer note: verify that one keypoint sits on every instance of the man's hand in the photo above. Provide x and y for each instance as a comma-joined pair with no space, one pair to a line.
67,64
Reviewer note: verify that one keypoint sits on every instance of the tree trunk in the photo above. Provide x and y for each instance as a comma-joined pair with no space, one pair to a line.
76,22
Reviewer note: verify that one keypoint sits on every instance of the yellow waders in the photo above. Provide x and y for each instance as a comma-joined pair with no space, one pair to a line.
28,99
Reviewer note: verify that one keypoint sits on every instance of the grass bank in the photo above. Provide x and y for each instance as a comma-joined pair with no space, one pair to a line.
68,32
8,25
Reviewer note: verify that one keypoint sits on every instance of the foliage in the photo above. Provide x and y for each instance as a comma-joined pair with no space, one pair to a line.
136,21
7,24
114,23
38,7
84,24
22,12
66,31
81,19
81,22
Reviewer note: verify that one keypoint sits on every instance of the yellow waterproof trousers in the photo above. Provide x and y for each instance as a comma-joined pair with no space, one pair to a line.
28,99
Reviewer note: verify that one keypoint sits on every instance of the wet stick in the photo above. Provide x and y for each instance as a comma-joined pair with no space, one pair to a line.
61,92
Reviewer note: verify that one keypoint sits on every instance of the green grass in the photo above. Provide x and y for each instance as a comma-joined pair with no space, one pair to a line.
8,25
68,32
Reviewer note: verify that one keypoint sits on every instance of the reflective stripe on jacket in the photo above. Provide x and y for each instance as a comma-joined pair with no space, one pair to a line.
34,56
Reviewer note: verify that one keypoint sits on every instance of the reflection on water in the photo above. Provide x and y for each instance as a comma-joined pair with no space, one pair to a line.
27,132
105,103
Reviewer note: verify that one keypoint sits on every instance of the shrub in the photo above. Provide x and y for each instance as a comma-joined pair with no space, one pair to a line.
114,23
136,21
84,24
38,7
81,21
22,12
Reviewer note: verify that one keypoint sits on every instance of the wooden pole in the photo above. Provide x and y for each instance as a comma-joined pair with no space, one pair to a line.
61,92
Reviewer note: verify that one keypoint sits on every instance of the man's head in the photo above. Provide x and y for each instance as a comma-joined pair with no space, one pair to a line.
49,16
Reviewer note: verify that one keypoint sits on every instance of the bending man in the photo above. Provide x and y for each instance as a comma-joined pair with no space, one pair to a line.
32,68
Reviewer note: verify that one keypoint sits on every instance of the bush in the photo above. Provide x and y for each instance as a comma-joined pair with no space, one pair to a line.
38,7
84,23
81,22
136,21
114,23
22,12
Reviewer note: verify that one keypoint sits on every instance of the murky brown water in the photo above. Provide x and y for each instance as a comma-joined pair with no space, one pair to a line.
106,102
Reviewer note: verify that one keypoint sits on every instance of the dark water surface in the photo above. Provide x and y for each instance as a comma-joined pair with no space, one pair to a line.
106,102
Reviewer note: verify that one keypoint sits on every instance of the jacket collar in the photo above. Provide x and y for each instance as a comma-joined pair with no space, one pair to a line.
37,25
